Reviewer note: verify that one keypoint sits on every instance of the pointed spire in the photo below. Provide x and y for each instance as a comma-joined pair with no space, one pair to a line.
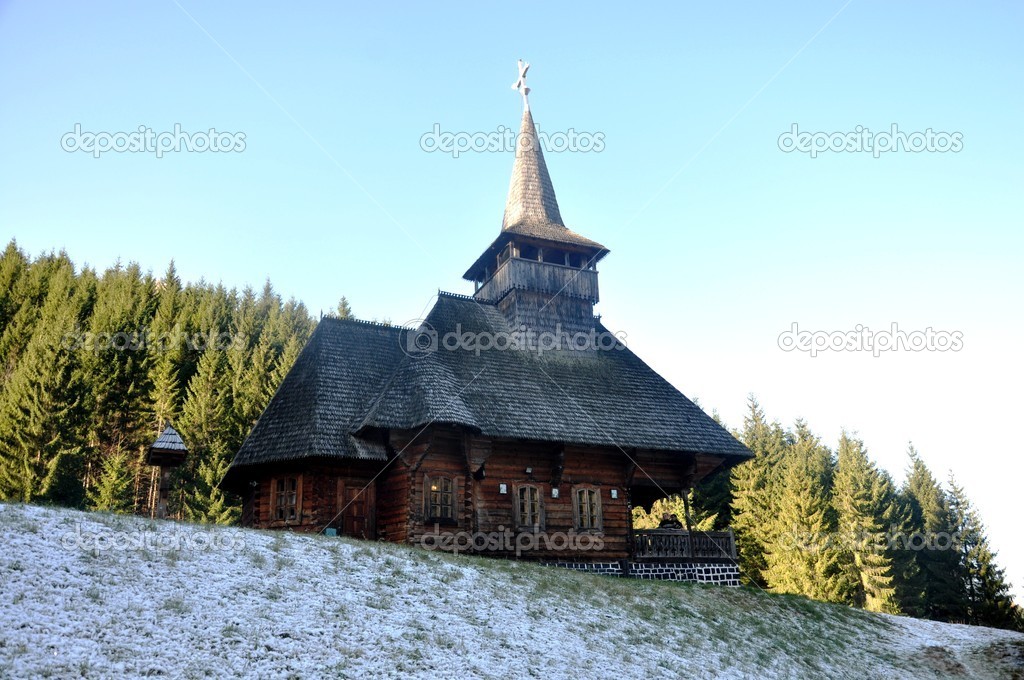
531,197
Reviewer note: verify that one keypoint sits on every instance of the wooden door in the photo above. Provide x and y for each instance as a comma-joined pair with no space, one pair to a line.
356,502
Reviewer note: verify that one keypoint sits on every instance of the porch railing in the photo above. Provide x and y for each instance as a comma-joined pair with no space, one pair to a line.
662,543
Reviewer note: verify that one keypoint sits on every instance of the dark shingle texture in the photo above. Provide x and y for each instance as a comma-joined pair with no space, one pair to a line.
325,395
354,377
531,196
169,440
593,397
531,208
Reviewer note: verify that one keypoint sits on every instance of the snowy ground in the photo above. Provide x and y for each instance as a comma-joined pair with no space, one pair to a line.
97,595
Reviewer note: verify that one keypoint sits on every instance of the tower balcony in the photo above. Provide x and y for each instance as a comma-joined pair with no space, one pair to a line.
517,273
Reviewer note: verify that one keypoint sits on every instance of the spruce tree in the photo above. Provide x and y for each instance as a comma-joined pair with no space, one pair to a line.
165,347
41,413
755,490
112,491
205,426
938,580
863,499
13,265
344,310
987,598
802,557
115,367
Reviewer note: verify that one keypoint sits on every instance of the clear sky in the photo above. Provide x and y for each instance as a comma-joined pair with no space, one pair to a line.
720,240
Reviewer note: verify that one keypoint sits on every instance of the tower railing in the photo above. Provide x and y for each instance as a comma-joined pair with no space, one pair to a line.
545,277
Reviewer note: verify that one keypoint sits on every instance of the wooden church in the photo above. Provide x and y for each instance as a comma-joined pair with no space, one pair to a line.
405,435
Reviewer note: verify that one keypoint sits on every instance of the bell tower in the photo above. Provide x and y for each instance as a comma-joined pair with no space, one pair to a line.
538,272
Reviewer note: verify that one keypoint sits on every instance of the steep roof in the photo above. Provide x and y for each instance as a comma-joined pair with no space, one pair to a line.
325,395
353,378
531,209
169,440
531,196
595,397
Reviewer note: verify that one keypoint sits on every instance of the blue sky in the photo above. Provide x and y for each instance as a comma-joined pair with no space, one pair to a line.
719,240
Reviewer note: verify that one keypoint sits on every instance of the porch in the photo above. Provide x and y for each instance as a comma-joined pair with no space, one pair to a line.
681,545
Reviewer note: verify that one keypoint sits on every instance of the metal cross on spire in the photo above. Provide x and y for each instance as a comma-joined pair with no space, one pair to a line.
520,84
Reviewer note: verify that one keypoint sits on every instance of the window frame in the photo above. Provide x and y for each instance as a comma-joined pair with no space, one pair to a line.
538,523
593,506
428,500
283,498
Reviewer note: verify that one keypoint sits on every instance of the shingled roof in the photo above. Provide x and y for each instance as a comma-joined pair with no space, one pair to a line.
531,209
354,378
593,397
169,440
325,396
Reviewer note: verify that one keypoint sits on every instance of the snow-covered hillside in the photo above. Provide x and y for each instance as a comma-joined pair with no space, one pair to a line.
98,595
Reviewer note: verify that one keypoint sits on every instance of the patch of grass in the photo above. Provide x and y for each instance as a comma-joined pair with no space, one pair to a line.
450,575
176,605
172,555
258,559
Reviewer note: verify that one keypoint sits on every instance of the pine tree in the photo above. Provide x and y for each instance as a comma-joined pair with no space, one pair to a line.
165,348
755,491
937,579
80,398
988,601
13,265
115,367
802,557
344,310
25,302
205,425
113,489
863,499
41,405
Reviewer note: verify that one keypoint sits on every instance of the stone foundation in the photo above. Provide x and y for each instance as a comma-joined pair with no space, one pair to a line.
717,573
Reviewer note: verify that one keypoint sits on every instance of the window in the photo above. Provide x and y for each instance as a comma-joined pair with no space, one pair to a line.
587,509
528,506
441,498
286,499
554,256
